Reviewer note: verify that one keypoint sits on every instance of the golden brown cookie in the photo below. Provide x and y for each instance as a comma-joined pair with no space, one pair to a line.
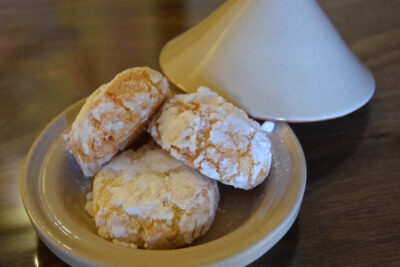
148,199
114,116
214,137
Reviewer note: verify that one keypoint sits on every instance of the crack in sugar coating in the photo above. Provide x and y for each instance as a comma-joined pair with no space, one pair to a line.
115,115
139,230
214,137
148,199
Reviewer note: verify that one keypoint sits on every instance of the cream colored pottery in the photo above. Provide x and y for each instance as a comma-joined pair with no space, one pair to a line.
248,223
277,59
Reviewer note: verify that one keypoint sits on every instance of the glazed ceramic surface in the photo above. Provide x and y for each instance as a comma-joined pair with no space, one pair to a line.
248,223
277,59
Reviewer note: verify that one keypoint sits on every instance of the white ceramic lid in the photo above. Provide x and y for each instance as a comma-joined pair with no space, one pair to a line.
277,59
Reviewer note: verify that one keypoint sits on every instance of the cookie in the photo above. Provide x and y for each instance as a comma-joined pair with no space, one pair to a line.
148,199
214,137
115,115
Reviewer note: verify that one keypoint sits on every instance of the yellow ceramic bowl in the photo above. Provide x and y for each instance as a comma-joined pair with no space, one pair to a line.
248,223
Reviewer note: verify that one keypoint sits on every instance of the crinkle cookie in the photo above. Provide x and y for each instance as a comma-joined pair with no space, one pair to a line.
115,115
214,137
148,199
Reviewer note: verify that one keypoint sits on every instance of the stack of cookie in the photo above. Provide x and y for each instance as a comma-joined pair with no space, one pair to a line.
163,194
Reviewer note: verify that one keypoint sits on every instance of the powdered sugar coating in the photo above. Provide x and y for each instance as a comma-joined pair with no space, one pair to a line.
114,115
149,199
214,137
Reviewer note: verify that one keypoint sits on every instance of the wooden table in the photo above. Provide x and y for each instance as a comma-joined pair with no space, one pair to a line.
53,53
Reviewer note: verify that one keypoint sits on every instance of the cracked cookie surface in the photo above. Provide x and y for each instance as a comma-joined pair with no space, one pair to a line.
148,199
214,137
115,115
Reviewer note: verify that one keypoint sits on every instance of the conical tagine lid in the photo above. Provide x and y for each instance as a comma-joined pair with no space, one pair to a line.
277,59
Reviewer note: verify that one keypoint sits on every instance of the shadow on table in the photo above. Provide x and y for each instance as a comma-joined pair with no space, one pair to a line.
45,257
330,144
285,253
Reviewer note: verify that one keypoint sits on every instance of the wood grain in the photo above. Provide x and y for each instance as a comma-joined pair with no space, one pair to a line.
53,53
